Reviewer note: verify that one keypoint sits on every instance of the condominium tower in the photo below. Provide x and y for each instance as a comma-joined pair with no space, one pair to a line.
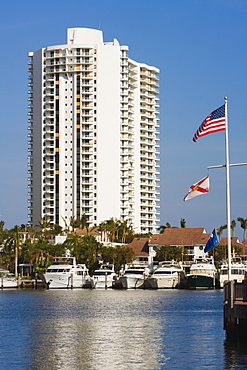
93,126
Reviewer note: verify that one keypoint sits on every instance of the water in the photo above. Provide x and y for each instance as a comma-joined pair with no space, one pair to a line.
95,330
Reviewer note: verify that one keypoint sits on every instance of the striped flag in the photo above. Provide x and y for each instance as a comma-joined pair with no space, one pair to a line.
201,187
214,122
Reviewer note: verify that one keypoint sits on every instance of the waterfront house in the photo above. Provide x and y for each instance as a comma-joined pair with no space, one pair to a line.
238,248
144,253
192,240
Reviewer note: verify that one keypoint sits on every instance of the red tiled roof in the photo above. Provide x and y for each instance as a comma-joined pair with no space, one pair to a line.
234,241
140,246
181,236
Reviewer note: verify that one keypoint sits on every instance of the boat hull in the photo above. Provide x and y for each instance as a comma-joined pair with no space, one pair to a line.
8,282
133,282
102,283
201,282
64,281
167,282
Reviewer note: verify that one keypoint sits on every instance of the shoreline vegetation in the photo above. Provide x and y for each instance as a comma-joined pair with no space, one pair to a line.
90,245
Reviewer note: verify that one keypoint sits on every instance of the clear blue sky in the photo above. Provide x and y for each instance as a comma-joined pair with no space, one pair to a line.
200,48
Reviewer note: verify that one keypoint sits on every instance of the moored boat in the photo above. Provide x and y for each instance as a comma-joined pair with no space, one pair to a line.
7,280
66,273
104,276
134,275
238,271
169,274
202,274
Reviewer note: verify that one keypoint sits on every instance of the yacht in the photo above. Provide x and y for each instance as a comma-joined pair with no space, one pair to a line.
169,274
134,275
66,273
7,280
238,271
104,277
202,274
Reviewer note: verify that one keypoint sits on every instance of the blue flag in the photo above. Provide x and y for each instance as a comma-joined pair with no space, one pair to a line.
212,242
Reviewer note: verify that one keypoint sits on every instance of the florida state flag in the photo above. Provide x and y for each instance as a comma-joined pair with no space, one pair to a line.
201,187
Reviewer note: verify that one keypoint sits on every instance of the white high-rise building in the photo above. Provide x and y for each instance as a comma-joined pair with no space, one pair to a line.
93,129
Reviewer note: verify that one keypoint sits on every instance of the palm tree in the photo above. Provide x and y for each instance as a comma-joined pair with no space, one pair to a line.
72,241
125,229
183,223
13,241
45,227
103,231
74,223
232,226
84,222
161,228
243,224
220,230
112,226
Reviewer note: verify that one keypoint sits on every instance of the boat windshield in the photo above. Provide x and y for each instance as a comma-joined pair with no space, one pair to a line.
58,270
233,272
238,272
164,272
134,272
102,273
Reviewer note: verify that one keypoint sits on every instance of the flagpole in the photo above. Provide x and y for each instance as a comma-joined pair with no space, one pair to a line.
228,194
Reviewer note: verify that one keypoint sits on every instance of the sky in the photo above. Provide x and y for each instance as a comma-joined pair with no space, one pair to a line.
199,47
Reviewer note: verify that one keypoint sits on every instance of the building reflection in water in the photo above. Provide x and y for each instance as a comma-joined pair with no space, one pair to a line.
97,334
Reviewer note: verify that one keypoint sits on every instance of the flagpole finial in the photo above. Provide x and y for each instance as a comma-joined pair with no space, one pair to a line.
225,97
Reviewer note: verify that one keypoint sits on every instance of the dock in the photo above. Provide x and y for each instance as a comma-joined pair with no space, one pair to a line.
235,308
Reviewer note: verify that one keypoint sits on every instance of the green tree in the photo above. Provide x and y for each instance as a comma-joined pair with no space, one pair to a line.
87,251
12,243
219,253
183,223
112,227
72,242
45,226
119,256
233,225
103,231
161,229
243,224
56,250
125,231
169,253
220,230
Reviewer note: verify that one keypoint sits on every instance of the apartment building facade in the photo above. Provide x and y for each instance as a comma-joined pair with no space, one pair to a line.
93,133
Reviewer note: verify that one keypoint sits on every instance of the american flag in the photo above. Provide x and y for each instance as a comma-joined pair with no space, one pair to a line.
214,122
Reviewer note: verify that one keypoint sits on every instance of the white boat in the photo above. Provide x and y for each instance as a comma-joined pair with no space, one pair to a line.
66,273
238,271
202,274
7,280
104,277
134,275
169,275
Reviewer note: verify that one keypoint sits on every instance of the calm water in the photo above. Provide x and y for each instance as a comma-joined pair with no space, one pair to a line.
89,329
